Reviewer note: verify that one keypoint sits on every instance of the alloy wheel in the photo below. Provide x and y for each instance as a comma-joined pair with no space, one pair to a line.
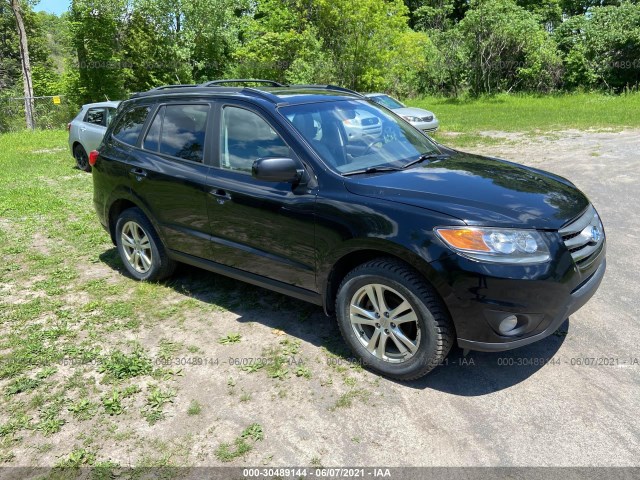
137,247
385,323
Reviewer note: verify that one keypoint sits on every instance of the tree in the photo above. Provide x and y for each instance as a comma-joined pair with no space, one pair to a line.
549,11
279,42
602,49
96,27
508,49
357,35
25,63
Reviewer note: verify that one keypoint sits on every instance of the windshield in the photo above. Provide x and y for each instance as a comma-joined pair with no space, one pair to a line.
355,135
387,101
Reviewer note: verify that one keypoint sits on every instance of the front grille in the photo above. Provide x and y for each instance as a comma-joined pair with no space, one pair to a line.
584,237
369,121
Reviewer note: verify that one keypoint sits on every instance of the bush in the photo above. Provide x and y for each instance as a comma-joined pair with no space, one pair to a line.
602,50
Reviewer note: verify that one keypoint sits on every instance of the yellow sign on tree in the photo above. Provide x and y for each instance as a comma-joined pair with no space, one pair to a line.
56,100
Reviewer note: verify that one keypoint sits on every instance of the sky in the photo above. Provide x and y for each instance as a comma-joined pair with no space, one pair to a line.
53,6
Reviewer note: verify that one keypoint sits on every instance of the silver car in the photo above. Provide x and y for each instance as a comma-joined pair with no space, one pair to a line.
87,129
362,126
421,119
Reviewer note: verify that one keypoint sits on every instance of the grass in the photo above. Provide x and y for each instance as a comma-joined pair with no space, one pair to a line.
195,408
528,113
242,445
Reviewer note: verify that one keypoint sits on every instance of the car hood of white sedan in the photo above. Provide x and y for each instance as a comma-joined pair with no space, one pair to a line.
413,112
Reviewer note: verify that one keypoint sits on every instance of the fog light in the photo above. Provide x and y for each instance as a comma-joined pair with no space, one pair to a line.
508,324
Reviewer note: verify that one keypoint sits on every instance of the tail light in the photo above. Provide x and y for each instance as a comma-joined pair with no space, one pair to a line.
93,157
69,127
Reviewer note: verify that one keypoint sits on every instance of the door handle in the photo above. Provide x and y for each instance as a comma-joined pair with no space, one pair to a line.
221,195
139,173
83,129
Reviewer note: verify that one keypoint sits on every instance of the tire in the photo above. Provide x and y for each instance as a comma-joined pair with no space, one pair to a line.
82,159
412,346
143,254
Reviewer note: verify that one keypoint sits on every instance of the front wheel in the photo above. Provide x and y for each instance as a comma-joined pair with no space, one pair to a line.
393,319
140,247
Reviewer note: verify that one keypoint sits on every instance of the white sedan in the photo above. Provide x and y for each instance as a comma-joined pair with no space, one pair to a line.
421,119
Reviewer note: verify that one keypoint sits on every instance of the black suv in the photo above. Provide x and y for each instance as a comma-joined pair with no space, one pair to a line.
318,193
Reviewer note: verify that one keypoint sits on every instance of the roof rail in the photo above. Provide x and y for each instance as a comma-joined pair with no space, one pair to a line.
261,93
163,87
331,87
215,83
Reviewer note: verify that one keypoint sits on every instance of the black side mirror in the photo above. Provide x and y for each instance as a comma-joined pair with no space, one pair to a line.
276,170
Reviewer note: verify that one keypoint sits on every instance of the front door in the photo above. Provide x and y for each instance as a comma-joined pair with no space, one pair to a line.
265,228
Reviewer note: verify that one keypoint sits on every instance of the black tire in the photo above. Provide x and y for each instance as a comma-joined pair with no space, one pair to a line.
433,330
82,159
160,265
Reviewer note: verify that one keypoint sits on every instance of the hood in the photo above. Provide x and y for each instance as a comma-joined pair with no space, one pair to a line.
479,191
414,112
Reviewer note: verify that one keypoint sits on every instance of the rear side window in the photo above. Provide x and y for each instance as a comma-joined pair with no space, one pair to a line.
130,125
111,114
95,116
179,131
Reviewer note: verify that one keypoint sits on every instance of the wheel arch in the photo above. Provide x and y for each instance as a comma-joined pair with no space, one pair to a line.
349,260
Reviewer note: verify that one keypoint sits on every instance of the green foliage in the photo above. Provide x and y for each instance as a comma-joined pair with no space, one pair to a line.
156,400
95,27
241,446
76,459
120,365
507,48
602,50
230,338
278,42
22,384
110,48
194,408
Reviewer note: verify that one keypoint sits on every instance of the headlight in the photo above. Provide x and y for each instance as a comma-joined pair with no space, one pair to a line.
412,119
497,245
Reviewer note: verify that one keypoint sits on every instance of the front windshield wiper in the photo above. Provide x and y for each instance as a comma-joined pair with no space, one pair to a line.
424,157
372,170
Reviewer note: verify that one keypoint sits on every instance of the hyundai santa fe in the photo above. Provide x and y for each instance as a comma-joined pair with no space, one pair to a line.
411,245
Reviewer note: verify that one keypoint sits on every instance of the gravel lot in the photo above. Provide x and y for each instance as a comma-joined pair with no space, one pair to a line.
569,400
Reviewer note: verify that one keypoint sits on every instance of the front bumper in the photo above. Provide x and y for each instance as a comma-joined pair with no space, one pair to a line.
576,300
427,127
542,297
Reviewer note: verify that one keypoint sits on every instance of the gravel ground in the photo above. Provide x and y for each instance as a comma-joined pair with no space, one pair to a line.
569,400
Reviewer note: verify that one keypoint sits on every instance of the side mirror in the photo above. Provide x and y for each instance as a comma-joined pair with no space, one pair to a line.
276,170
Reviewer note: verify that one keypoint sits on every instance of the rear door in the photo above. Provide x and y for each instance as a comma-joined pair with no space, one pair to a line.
92,128
169,171
264,228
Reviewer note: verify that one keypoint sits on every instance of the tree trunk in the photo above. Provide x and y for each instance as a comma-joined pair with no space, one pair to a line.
26,65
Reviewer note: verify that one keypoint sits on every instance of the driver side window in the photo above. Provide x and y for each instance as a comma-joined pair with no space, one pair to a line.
246,137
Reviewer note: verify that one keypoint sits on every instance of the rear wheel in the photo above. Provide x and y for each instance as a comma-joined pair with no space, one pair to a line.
140,247
82,159
393,319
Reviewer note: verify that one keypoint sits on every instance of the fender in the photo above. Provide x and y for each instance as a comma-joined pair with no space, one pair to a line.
125,193
333,268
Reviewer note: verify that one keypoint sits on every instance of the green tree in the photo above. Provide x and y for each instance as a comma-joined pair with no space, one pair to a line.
358,34
96,27
508,49
280,43
602,50
549,11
